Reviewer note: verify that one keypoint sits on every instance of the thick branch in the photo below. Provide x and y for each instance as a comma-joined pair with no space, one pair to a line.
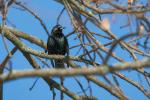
101,70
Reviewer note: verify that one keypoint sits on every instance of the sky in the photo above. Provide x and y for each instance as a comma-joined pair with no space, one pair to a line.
48,10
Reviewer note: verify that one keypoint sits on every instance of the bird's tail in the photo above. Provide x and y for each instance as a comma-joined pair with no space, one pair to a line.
59,64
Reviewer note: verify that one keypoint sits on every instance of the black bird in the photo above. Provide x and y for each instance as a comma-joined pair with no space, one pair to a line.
57,43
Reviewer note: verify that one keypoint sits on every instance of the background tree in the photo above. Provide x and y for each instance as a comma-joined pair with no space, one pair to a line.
108,42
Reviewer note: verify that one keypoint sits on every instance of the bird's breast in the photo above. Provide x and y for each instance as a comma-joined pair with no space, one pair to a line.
60,42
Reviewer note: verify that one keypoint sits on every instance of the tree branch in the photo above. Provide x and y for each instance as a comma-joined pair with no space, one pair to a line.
100,70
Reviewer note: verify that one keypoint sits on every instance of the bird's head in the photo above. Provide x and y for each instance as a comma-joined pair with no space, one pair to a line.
57,30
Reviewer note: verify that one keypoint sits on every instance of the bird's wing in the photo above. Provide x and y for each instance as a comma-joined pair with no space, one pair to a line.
67,46
51,45
66,49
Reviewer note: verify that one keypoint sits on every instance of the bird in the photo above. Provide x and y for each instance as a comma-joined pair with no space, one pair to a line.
57,44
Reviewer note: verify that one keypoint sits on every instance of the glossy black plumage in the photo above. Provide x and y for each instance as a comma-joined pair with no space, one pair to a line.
57,44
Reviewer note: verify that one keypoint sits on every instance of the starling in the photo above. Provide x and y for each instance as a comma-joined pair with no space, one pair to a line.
57,44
